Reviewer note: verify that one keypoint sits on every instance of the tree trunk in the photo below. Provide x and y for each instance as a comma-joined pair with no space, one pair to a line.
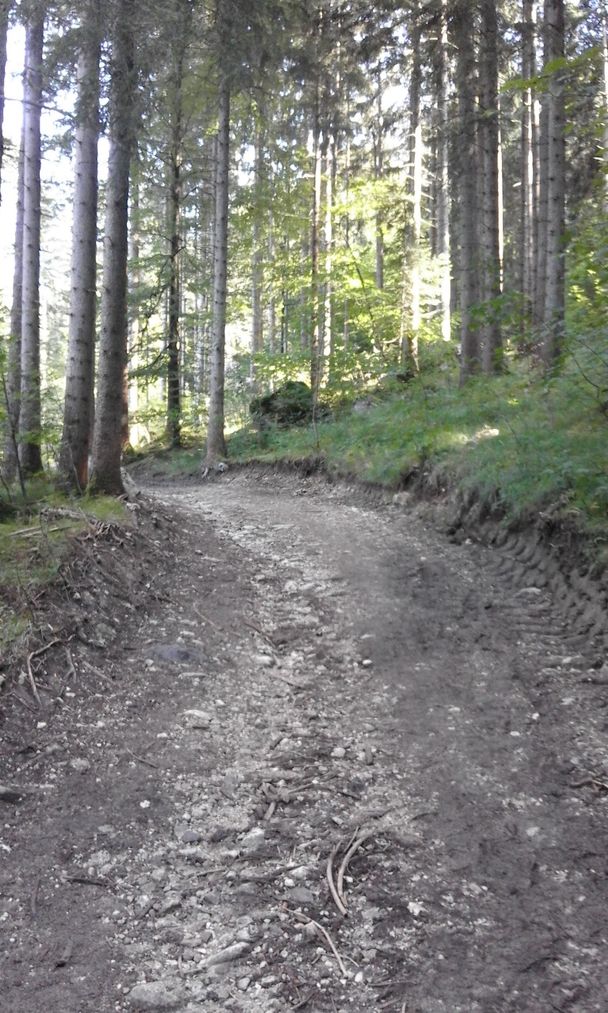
175,244
30,424
315,225
330,196
216,444
80,366
464,35
443,180
411,281
553,322
528,181
13,381
378,176
108,434
491,232
5,9
542,198
257,261
605,103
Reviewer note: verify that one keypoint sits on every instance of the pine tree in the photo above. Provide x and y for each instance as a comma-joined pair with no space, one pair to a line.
110,407
30,423
553,320
78,406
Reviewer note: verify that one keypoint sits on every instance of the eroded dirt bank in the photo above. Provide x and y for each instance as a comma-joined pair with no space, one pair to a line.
322,692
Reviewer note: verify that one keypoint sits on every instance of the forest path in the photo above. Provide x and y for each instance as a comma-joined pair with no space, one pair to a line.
321,675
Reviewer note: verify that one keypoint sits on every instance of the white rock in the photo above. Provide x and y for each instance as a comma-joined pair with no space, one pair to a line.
157,995
230,953
253,841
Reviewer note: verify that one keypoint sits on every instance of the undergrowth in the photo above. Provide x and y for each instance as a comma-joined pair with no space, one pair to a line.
525,443
35,539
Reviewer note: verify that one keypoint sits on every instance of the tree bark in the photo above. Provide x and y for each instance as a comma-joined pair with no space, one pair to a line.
542,197
315,226
464,35
80,366
443,180
491,231
257,261
528,180
13,382
5,9
553,322
175,245
216,444
30,423
378,148
411,280
605,103
107,440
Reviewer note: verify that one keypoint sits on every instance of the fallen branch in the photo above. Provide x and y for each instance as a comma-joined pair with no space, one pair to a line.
88,880
38,532
591,782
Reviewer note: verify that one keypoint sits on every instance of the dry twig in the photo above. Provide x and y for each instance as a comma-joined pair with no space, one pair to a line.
142,759
258,629
326,936
329,872
34,896
30,671
591,782
304,1002
33,681
352,850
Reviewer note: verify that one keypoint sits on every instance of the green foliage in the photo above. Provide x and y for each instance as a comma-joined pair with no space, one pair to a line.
522,442
34,543
290,404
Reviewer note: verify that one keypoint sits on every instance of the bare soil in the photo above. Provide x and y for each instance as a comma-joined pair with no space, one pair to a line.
311,755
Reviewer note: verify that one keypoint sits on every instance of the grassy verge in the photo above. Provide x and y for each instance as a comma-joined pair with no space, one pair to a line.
526,444
35,540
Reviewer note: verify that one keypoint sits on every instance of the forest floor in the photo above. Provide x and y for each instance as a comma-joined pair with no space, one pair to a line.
284,686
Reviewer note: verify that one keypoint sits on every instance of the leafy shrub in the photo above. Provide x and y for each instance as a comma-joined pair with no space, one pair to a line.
288,405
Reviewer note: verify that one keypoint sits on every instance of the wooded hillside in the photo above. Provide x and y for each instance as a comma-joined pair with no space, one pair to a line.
319,192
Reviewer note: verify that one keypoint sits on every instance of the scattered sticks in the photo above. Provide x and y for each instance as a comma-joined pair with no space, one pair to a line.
336,886
350,853
326,936
305,1001
329,872
32,680
30,671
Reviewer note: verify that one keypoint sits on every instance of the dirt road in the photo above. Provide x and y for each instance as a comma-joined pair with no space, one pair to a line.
340,765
